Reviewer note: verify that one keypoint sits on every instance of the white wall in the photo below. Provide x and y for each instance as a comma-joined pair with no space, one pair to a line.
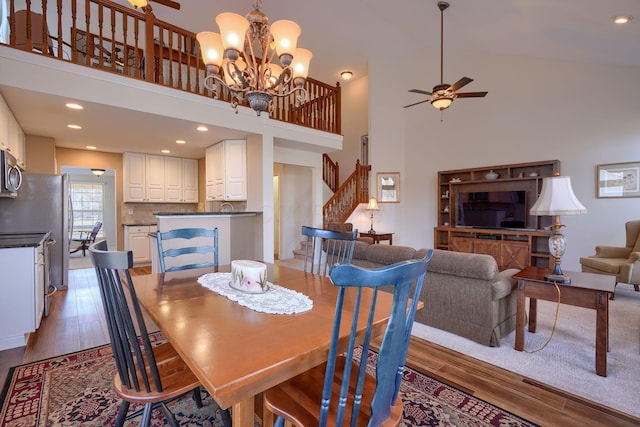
354,124
536,109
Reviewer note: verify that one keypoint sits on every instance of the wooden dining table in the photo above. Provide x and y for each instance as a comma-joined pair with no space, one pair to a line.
237,352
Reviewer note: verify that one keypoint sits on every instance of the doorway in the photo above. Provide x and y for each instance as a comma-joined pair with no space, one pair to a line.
94,198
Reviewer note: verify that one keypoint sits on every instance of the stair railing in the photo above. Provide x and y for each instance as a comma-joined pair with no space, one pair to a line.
350,194
330,172
118,39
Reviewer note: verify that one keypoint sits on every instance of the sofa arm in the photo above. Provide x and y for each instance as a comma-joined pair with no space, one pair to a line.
504,284
634,257
612,252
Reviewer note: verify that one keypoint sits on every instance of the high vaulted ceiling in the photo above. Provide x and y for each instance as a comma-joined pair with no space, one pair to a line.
343,34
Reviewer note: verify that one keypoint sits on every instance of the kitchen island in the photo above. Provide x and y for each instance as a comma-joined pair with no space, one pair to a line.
239,233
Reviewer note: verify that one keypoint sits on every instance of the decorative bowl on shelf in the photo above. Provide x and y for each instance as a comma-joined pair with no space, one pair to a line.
491,175
533,174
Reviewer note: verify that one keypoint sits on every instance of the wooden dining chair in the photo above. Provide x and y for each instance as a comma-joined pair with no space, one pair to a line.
325,248
146,374
176,246
86,238
341,391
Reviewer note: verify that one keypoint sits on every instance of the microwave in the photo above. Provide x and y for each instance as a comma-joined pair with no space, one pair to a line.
10,175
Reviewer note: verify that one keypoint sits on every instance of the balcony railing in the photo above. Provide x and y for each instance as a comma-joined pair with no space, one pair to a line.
118,39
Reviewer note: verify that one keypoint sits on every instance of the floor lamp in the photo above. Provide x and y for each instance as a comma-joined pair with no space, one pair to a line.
372,206
557,198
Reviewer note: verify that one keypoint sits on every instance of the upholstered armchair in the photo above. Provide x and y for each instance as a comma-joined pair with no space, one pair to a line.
622,262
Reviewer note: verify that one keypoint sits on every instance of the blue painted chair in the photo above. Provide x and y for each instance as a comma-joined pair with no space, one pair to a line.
149,375
339,392
326,248
185,253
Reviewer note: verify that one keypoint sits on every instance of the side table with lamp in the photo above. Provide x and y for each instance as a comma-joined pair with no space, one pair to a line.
586,290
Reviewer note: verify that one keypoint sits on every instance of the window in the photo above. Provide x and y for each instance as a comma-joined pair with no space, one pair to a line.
88,206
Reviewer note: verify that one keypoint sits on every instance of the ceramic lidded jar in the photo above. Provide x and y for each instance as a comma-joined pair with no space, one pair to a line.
491,175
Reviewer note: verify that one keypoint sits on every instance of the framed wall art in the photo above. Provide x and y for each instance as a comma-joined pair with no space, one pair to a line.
618,180
388,187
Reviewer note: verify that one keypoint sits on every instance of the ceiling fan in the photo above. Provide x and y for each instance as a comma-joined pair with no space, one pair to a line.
444,93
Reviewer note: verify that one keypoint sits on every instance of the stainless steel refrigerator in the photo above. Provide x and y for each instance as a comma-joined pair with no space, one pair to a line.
43,204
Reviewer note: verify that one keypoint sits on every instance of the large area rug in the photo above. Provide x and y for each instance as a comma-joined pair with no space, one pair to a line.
568,361
75,389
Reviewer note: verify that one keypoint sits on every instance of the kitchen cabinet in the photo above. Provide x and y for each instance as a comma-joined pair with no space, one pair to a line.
136,238
226,170
23,288
160,179
12,137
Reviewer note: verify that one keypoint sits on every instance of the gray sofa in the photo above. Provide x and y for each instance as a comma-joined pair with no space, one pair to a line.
463,293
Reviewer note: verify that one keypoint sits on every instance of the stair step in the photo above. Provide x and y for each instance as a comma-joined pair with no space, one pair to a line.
299,254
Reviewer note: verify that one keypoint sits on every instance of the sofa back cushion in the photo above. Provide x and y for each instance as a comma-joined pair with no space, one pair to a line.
475,266
387,254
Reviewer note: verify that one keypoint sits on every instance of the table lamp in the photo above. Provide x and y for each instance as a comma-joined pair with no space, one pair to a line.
372,206
557,198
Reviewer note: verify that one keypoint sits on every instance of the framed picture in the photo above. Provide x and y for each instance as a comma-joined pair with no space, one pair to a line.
618,180
388,187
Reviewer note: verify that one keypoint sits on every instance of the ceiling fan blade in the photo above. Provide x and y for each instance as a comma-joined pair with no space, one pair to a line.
416,103
471,94
424,92
168,3
460,83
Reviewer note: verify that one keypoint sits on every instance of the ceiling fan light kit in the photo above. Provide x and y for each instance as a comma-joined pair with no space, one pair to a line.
444,94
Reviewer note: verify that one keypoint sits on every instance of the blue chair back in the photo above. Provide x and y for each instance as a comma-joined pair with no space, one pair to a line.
405,279
325,248
181,248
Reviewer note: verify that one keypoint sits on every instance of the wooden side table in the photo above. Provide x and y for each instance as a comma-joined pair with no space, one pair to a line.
585,290
377,237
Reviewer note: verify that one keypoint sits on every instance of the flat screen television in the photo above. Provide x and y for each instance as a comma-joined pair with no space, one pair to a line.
492,209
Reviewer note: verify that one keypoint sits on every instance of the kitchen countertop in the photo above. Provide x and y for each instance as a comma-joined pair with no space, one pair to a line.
23,240
206,213
139,224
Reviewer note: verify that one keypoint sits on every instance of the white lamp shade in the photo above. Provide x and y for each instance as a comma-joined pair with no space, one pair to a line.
285,35
557,198
373,205
276,70
229,69
233,28
211,47
300,63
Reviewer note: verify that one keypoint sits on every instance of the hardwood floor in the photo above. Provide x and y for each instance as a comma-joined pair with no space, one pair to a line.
76,322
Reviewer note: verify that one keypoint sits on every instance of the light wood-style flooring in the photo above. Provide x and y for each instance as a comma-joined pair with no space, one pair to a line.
76,322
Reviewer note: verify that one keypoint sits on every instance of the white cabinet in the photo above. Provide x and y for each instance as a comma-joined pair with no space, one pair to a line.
189,180
12,137
157,179
136,238
22,287
226,169
134,176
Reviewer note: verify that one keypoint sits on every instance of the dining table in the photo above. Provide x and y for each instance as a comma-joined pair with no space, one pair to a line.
238,352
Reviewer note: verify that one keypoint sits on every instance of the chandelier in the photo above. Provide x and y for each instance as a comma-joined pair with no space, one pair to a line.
242,59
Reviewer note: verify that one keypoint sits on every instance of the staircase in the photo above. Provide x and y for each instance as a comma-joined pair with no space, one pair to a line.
346,197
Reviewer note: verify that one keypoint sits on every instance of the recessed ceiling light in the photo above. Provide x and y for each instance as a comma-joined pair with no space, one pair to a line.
74,106
202,128
346,75
74,127
166,151
622,19
180,141
91,147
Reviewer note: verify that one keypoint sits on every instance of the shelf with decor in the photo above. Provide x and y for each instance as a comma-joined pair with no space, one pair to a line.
486,210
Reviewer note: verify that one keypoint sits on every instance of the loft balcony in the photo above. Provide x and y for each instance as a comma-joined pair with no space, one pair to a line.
119,39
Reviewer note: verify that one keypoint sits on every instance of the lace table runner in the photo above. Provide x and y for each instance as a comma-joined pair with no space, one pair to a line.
277,300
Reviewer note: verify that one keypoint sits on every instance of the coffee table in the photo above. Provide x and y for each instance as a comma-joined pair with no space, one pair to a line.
585,290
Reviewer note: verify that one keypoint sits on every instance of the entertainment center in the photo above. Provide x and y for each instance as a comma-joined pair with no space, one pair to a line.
486,210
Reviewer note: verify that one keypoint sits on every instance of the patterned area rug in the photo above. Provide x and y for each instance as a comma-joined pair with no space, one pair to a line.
75,389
